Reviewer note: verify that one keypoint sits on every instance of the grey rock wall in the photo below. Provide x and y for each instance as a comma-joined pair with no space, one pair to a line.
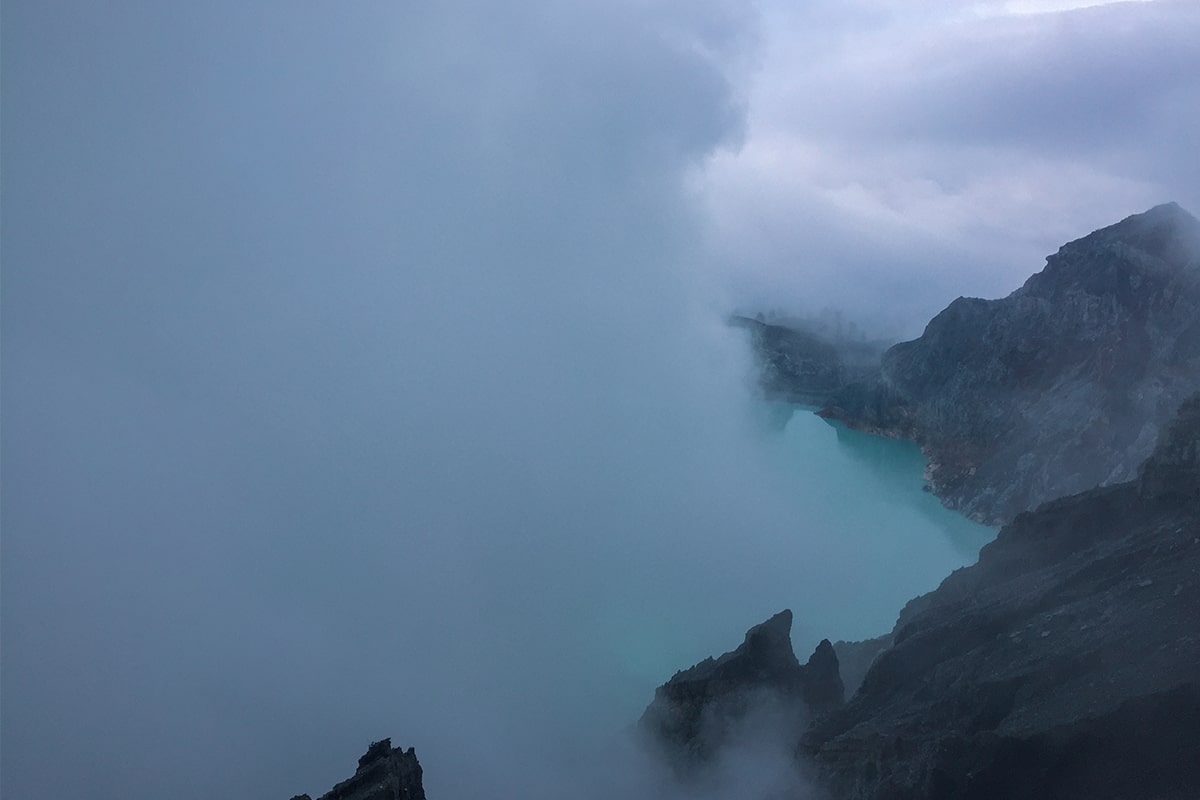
1061,386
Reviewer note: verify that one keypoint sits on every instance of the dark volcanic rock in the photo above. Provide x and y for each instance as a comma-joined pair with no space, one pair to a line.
384,773
1065,664
695,712
1057,388
823,690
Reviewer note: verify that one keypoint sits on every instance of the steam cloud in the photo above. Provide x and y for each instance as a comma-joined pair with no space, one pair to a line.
356,386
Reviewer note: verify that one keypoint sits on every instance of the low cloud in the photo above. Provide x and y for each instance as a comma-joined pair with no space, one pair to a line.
357,384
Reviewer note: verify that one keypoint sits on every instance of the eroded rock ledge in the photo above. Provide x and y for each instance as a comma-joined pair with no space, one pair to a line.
695,712
384,773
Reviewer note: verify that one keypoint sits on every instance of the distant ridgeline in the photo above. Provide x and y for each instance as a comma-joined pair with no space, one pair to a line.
807,366
1059,387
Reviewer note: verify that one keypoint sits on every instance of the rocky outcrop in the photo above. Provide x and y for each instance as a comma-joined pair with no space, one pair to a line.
1057,388
694,714
1065,664
384,773
795,366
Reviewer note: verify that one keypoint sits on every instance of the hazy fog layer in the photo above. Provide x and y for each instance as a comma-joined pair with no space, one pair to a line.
358,360
352,370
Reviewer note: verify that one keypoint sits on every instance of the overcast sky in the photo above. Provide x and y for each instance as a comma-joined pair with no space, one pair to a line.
898,155
362,361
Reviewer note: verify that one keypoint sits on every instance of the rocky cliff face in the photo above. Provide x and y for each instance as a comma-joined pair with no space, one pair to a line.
1059,387
384,773
1065,664
693,714
795,366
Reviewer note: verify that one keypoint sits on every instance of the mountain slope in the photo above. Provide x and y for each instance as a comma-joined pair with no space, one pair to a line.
1065,664
1059,387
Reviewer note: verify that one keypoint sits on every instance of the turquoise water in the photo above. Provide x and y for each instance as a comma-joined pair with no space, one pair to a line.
854,539
877,475
869,494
